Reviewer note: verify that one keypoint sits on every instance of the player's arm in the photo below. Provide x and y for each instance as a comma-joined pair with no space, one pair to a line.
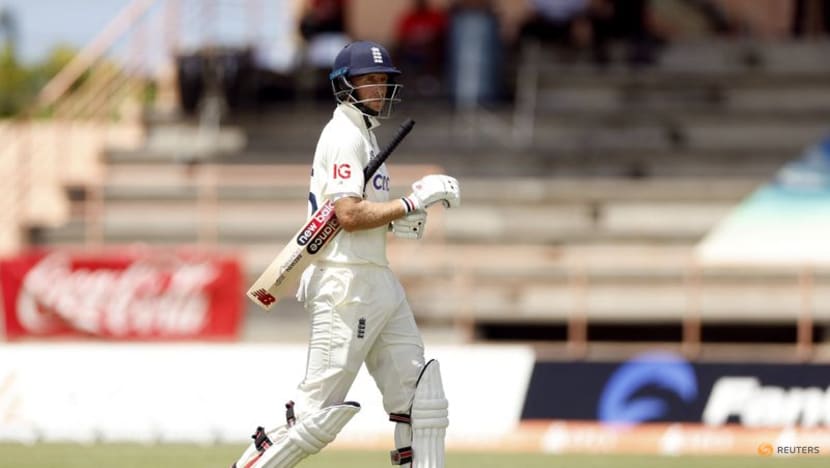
355,214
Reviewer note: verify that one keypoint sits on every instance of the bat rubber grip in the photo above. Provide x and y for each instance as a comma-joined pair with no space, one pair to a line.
376,162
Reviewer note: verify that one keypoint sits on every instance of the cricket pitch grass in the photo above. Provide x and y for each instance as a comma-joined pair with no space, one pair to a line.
221,456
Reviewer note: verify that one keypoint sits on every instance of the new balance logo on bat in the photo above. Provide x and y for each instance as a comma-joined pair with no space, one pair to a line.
324,234
264,297
316,223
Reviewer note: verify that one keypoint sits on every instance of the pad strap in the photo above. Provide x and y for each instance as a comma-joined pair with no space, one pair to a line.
261,440
400,418
401,456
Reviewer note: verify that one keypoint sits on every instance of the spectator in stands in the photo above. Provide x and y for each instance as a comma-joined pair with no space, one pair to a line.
420,45
323,26
475,53
323,16
629,21
554,22
693,19
811,17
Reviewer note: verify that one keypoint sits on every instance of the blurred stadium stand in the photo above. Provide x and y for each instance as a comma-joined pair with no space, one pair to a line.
584,197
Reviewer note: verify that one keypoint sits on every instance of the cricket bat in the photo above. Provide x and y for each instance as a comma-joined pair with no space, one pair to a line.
280,277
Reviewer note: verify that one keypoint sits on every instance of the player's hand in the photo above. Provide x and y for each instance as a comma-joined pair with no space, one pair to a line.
410,226
432,189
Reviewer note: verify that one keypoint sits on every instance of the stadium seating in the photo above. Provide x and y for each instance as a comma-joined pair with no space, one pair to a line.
592,219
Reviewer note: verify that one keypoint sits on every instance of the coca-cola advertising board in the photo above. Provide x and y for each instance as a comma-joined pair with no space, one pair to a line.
131,294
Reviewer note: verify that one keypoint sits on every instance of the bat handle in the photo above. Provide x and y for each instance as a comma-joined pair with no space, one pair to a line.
376,162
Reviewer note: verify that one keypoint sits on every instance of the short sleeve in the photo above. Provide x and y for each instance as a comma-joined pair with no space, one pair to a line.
343,168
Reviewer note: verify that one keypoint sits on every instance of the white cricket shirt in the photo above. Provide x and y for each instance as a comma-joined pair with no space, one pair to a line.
344,149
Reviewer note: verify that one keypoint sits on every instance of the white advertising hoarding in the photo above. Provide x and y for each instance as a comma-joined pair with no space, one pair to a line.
220,392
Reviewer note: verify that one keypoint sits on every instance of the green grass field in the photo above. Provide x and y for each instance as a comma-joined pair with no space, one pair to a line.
191,456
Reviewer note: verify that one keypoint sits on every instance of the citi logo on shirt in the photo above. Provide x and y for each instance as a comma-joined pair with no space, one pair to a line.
381,182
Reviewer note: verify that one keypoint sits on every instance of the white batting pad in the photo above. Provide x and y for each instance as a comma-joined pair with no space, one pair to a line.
308,436
429,419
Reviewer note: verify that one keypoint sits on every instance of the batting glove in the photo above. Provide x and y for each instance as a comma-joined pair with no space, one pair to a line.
411,226
430,190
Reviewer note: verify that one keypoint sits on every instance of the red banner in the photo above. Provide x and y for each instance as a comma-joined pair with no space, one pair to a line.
130,295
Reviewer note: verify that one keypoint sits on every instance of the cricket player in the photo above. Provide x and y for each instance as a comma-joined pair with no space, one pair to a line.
358,311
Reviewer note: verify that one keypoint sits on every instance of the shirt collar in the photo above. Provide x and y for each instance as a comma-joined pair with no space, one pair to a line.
358,118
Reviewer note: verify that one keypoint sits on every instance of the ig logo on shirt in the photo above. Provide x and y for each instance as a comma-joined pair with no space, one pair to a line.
342,171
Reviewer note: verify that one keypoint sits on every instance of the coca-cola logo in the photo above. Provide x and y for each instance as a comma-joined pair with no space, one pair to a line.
143,299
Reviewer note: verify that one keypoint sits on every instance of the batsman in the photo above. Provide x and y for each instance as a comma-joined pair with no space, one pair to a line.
358,310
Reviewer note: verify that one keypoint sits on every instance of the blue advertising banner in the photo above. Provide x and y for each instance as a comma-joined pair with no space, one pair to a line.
664,387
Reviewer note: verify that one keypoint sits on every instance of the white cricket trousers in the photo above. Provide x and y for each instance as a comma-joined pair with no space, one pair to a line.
359,313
